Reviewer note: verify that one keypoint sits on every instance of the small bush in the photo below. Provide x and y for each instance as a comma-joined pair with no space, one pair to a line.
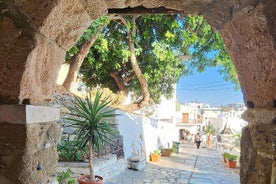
230,157
69,151
225,154
157,152
65,177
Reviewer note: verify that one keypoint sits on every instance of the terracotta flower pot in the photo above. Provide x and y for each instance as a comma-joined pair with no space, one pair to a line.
231,164
224,160
155,157
82,180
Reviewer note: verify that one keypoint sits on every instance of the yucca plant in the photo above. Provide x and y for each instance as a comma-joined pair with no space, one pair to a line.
90,120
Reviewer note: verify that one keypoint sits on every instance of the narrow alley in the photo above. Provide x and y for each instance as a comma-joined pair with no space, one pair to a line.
190,166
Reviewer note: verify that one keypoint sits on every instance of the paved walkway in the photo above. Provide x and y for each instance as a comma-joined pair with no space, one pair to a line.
190,166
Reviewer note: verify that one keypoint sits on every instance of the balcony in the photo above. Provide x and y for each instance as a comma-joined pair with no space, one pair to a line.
179,122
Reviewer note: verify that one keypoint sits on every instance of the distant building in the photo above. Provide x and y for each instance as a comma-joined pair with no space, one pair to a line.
225,117
188,117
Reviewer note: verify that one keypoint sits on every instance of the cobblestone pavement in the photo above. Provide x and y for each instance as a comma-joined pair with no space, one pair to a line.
190,166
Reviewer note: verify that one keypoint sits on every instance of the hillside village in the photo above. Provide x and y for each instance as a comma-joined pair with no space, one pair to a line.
194,116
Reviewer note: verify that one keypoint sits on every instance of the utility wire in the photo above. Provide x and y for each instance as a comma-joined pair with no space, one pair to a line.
207,83
204,87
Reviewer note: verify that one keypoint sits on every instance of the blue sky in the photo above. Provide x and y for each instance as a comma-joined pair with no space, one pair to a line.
207,87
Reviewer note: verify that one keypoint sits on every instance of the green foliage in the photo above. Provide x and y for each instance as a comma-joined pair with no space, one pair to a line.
159,40
209,129
68,150
90,120
225,154
161,44
157,152
65,177
87,35
201,41
231,157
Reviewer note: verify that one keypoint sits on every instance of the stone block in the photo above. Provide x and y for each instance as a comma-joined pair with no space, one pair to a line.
28,114
138,165
137,162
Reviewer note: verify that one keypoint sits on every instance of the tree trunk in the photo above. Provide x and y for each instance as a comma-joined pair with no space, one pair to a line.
119,82
78,59
131,33
133,60
91,169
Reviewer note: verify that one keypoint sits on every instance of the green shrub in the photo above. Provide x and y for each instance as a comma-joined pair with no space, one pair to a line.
225,154
69,151
65,177
231,157
157,152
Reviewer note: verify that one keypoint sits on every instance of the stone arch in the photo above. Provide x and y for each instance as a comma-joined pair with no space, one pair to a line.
34,36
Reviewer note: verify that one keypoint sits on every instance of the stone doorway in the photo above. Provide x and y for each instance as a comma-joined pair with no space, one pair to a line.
34,36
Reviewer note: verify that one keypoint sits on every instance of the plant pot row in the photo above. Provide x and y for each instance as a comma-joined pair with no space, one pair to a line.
155,156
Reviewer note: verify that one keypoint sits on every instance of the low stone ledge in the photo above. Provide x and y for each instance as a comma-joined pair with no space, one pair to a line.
28,114
106,166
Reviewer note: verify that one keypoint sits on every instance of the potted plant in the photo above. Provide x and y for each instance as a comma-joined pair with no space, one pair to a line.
166,152
231,160
92,129
155,156
224,156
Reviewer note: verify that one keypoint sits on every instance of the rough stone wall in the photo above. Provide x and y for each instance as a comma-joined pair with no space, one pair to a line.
258,147
15,48
12,145
28,141
28,153
62,21
251,45
34,36
188,7
41,154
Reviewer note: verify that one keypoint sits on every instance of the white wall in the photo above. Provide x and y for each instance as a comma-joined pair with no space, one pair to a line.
166,109
142,135
236,124
218,124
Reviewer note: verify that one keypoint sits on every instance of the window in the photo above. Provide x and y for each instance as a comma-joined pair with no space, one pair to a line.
185,118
